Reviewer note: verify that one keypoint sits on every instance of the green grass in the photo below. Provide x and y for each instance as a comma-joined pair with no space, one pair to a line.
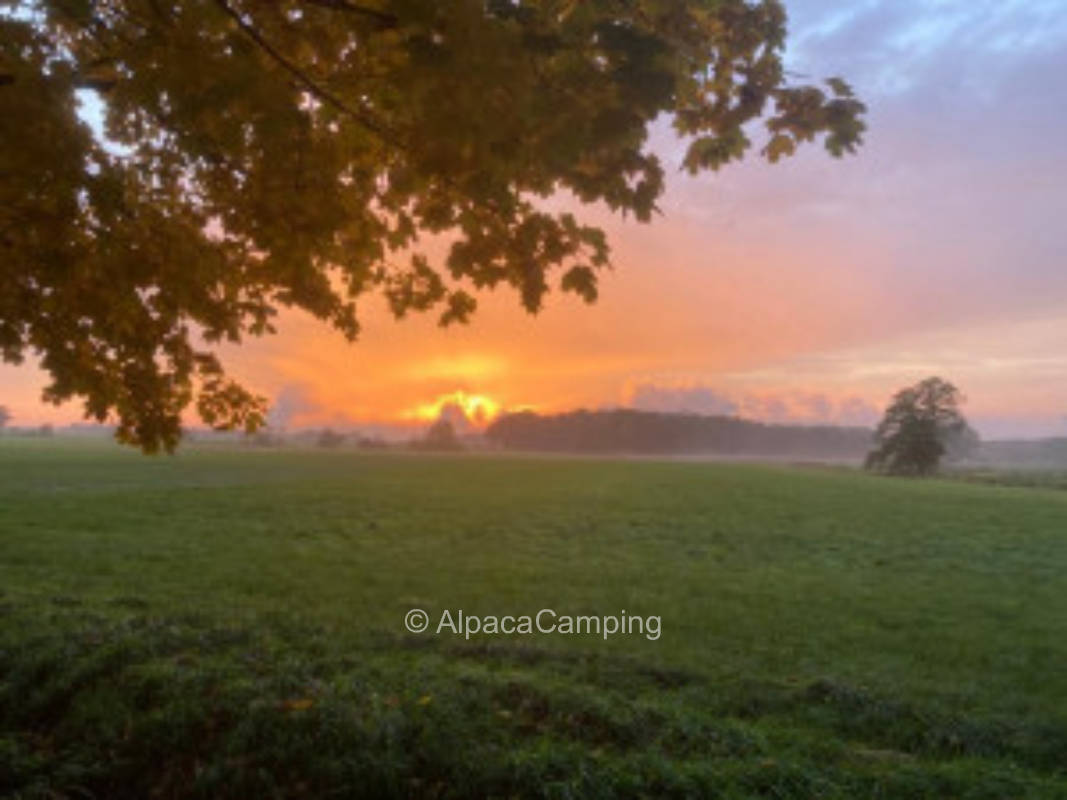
230,623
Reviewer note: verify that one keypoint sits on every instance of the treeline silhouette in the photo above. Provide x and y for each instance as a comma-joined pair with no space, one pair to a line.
647,432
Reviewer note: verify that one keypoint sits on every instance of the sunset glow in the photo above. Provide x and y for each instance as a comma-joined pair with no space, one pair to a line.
476,408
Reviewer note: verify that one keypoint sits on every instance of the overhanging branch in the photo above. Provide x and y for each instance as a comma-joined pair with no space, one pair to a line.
383,19
317,91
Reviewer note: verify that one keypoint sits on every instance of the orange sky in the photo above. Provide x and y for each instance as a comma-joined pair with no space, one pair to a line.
805,291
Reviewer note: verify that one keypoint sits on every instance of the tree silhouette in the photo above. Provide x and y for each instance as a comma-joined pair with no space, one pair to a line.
297,153
329,439
633,431
5,416
920,425
440,436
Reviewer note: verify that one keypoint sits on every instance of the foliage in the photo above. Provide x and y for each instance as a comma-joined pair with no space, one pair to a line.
921,424
5,416
303,153
439,436
329,438
631,431
143,654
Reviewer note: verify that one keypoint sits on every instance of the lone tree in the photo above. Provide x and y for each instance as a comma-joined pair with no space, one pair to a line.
298,153
5,416
921,425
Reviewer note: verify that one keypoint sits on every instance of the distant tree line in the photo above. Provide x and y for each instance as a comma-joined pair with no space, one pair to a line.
1046,453
32,431
646,432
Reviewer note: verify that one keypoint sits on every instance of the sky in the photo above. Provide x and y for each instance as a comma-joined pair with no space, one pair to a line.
807,291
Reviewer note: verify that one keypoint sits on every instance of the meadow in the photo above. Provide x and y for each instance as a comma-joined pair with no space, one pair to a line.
230,623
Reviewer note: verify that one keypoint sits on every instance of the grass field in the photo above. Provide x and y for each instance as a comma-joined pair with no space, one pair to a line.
231,624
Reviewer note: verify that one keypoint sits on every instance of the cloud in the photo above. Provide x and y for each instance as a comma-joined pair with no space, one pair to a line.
681,399
780,407
809,408
299,405
293,405
857,411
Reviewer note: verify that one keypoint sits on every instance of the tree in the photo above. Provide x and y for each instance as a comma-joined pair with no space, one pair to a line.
302,153
329,439
5,416
920,426
440,436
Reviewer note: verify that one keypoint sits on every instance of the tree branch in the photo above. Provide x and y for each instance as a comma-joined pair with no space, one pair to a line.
304,80
383,19
101,85
388,137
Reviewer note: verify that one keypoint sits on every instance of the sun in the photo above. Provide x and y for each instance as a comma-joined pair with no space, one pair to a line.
478,408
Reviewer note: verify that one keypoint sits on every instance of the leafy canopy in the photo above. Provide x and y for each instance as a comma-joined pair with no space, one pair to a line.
262,154
921,425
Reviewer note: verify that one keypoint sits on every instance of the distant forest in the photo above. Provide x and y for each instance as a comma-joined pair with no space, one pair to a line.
646,432
1049,453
